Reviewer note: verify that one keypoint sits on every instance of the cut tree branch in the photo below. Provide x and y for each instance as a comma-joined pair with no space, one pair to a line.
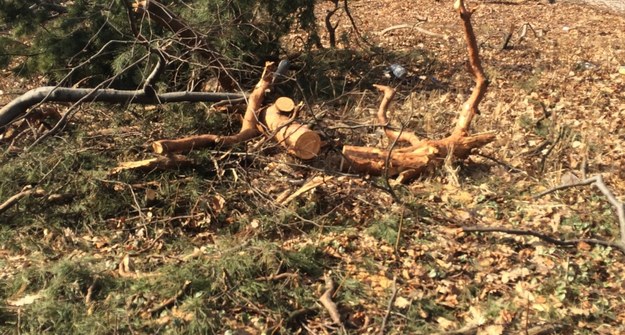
249,128
470,107
409,162
297,138
402,136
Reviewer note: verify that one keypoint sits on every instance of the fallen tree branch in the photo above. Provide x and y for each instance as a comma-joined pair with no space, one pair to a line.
249,128
26,191
422,155
297,138
64,94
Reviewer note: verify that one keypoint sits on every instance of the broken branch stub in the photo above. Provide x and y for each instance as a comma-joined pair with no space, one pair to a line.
424,154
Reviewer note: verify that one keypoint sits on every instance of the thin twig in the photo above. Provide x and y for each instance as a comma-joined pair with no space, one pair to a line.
389,307
353,22
543,160
502,163
566,243
399,229
89,295
413,27
169,301
26,191
326,300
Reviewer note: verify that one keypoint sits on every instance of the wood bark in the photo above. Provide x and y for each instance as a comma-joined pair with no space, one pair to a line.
18,106
424,154
196,41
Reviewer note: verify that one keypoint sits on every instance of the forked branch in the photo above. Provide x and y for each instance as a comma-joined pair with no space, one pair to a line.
408,162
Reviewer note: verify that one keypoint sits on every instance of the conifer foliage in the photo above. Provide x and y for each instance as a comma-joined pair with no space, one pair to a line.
95,39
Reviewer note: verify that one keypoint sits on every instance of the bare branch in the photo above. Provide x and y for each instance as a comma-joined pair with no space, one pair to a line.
26,191
64,94
389,307
470,107
565,243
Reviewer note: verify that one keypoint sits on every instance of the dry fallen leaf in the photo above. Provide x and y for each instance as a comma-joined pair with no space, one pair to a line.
491,330
476,317
401,302
26,300
445,323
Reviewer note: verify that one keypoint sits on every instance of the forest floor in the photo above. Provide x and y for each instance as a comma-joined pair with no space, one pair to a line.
231,246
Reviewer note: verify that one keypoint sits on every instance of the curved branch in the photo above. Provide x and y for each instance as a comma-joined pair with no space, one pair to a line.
470,107
249,129
393,135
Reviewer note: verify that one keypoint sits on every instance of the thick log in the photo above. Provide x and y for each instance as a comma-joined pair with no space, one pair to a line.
299,140
418,158
64,94
373,160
